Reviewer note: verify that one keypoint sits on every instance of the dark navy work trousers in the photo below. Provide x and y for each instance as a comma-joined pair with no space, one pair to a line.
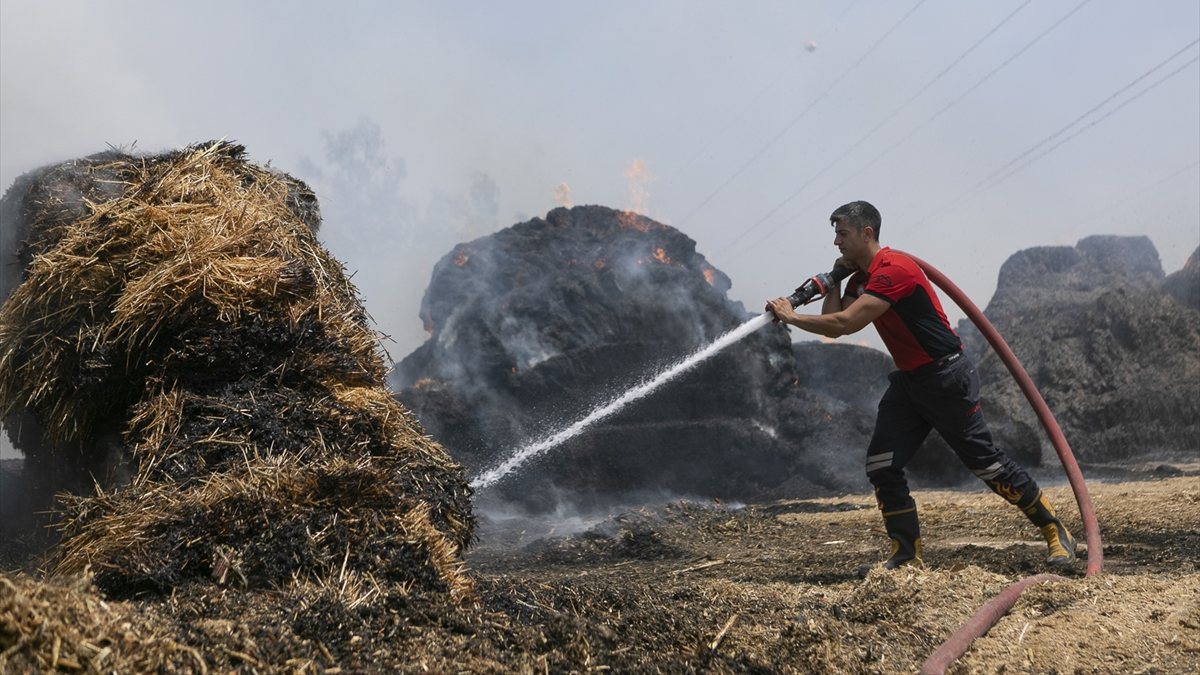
945,399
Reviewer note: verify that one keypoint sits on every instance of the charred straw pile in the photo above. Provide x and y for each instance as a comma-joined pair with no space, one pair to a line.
182,304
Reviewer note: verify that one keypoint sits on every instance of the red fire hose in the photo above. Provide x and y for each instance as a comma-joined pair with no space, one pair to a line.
987,616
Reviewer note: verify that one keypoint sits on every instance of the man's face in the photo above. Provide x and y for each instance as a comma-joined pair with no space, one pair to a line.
848,239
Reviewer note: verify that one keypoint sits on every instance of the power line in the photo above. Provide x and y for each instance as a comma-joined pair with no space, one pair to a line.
1166,179
1098,120
720,132
733,119
800,116
983,184
956,201
926,123
849,6
879,125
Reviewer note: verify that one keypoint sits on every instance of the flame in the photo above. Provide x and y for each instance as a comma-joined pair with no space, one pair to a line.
461,258
562,195
638,176
424,383
628,220
599,264
429,327
661,256
710,275
514,369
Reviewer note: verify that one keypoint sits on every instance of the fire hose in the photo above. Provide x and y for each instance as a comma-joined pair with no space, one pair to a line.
992,611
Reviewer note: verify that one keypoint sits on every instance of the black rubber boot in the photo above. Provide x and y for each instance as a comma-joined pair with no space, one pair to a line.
904,529
1058,538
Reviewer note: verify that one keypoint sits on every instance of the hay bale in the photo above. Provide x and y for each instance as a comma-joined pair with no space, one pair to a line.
181,306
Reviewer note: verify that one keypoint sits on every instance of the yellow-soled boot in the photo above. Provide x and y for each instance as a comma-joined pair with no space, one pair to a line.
904,529
1059,540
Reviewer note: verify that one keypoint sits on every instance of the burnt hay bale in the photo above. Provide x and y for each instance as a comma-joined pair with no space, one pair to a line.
181,307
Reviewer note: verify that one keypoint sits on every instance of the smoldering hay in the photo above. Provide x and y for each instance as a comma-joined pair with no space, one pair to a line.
546,323
181,307
552,319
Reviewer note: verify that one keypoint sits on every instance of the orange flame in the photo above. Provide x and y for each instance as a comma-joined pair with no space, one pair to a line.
599,264
461,258
628,220
638,176
429,327
710,275
661,256
562,195
424,383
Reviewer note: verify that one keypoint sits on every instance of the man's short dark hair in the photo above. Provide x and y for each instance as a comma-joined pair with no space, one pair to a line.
858,215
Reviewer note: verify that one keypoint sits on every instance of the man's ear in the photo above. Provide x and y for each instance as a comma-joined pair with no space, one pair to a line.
870,232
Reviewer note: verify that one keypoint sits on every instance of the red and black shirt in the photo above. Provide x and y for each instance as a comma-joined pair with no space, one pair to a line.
915,330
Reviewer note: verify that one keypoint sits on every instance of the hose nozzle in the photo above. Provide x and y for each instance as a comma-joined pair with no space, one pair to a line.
817,285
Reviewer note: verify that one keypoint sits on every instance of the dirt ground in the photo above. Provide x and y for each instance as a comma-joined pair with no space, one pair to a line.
776,587
689,587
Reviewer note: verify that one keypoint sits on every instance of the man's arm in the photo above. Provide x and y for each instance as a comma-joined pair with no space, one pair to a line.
854,318
833,300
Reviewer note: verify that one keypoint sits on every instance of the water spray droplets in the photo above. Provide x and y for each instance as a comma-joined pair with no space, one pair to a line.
536,448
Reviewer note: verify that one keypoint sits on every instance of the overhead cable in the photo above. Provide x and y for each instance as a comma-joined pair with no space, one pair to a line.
927,122
1098,120
1136,194
878,126
1004,172
774,139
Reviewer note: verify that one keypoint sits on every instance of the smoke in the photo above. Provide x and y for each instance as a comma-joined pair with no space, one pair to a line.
536,326
26,503
359,179
388,237
635,269
506,524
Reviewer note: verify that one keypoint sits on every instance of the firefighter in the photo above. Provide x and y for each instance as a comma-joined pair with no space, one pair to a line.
935,385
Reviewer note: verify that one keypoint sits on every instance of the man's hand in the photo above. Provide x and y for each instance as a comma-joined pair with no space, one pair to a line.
782,309
847,263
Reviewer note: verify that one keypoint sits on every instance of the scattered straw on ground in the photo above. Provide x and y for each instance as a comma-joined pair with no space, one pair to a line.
64,625
766,588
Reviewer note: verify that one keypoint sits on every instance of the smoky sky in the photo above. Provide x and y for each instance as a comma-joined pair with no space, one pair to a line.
978,129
